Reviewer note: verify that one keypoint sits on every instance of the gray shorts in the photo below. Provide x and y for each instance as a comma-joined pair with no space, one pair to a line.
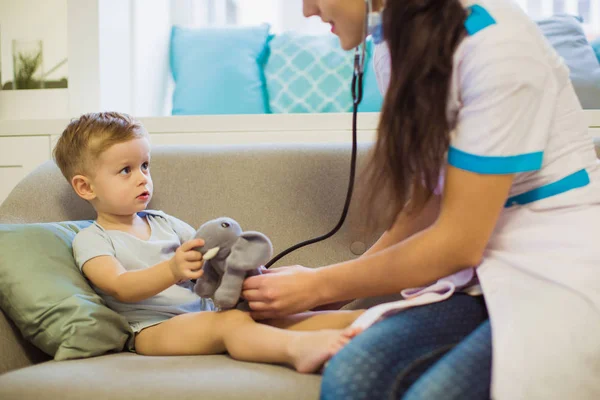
136,327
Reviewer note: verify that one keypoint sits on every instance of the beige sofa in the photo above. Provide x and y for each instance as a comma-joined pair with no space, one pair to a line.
289,192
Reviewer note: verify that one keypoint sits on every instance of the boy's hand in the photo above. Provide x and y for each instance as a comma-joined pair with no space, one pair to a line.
187,263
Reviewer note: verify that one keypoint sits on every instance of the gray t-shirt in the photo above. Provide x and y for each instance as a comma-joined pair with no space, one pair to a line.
168,233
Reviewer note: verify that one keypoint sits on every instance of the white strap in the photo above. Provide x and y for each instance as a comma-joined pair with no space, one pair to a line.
372,315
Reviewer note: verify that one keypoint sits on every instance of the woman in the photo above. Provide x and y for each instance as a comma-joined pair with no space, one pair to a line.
478,98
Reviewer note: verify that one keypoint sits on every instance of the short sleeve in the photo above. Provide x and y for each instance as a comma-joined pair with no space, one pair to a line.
183,230
506,105
91,243
382,66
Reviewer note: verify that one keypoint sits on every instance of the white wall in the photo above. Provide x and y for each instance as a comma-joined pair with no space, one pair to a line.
32,20
151,32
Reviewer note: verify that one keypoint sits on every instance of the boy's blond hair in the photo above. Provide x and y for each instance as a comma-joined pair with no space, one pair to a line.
86,137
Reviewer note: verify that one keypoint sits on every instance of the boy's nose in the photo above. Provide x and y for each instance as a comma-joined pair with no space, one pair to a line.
142,178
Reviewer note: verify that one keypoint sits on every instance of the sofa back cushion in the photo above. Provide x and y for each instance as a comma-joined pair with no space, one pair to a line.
289,192
16,351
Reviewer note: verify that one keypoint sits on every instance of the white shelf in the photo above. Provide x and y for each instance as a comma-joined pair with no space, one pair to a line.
275,123
34,104
228,123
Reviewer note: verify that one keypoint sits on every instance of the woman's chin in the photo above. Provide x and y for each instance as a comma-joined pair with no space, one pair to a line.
348,43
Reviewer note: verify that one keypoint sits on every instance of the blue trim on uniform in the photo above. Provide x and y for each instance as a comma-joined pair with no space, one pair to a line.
478,19
496,165
573,181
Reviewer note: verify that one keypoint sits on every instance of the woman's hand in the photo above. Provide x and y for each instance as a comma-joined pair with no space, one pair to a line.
282,291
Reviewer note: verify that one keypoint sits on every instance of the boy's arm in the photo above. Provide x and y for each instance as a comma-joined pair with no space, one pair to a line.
109,275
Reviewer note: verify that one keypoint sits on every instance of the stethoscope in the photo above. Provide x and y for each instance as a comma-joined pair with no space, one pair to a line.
372,27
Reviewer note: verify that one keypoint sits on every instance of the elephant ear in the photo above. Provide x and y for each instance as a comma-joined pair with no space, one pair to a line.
250,251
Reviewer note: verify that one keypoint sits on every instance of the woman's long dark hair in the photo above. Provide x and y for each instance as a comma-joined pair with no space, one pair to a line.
414,133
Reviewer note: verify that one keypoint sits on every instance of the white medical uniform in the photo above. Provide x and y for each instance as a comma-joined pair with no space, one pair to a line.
513,110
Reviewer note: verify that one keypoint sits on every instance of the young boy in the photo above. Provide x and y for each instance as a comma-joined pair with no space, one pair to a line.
141,261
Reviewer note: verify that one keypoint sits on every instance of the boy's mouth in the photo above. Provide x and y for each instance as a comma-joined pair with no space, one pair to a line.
144,196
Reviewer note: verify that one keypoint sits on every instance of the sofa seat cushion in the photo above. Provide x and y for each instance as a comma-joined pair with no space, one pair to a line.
129,376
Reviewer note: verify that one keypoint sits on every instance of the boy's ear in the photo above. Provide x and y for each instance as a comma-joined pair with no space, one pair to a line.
83,187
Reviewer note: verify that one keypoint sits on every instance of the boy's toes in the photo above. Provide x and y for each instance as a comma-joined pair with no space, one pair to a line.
351,332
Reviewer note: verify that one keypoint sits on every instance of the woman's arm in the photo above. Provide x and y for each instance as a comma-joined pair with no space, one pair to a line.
407,225
404,227
470,208
457,240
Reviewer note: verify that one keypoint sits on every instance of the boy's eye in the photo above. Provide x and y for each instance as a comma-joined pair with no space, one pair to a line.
125,171
146,165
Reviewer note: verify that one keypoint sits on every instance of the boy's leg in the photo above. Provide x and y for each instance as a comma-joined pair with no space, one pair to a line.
237,333
316,320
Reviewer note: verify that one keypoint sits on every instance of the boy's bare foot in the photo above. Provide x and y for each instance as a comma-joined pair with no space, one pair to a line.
343,339
309,350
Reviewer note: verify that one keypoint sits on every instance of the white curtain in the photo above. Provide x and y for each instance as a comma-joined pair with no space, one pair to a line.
286,15
282,15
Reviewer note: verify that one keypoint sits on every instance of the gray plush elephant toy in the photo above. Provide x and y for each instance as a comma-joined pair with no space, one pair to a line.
230,255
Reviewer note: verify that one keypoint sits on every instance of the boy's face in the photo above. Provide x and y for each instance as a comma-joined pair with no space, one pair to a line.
121,184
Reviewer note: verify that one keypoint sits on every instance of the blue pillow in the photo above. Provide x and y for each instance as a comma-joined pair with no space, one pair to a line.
566,35
219,70
312,74
596,47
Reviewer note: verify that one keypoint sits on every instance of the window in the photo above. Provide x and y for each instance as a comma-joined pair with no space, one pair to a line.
287,14
282,15
589,10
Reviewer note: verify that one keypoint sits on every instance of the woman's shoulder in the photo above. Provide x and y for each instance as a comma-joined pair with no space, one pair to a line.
501,40
491,23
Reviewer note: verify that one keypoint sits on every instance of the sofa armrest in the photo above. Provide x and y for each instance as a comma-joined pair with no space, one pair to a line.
16,351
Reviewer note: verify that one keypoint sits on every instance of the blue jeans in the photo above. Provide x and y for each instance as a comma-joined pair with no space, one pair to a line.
437,351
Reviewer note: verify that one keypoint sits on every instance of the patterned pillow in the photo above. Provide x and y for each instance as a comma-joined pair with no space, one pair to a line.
312,74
